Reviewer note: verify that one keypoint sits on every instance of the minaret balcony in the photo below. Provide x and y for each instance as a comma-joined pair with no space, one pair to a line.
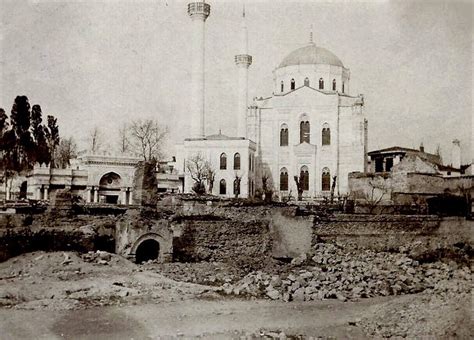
199,10
243,59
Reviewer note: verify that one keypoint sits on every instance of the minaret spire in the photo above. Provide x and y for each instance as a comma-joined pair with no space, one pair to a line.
243,61
198,11
311,35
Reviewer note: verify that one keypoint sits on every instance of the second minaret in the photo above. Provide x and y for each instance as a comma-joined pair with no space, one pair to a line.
243,61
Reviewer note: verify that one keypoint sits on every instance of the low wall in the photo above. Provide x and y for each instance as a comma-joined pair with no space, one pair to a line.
240,241
394,232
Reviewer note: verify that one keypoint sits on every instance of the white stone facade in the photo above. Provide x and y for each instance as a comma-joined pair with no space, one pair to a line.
94,178
211,149
341,115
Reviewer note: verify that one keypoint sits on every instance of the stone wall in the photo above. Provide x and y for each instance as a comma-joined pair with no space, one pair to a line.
243,242
391,232
137,226
405,188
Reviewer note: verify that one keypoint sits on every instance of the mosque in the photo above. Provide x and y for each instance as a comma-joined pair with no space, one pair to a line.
311,127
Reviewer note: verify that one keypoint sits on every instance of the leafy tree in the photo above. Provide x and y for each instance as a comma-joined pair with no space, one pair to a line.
3,123
42,153
20,123
52,137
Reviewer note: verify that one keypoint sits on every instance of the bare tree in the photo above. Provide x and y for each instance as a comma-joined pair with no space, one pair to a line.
267,185
198,169
146,139
210,176
95,140
333,188
299,187
238,179
378,190
124,139
66,151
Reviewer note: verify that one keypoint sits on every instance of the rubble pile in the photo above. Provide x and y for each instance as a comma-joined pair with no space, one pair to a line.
332,272
206,273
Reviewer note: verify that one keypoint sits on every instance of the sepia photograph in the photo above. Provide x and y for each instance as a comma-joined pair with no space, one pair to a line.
236,169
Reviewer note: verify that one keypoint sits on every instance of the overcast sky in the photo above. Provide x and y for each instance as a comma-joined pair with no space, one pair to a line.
105,63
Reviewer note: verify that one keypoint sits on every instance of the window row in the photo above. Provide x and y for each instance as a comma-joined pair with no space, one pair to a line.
305,134
304,179
223,161
306,83
223,187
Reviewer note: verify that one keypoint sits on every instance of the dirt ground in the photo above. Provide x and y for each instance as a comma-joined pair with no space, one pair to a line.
68,295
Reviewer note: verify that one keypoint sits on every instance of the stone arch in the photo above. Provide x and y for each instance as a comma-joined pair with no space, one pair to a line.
110,179
147,240
110,185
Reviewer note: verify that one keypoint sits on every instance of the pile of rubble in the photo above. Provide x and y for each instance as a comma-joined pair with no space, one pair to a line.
206,273
331,272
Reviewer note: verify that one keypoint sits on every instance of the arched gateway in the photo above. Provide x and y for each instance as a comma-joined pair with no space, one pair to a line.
109,187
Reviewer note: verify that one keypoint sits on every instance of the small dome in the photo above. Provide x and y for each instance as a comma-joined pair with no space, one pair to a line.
311,54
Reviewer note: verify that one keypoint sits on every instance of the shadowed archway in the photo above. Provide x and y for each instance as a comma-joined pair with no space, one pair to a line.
147,250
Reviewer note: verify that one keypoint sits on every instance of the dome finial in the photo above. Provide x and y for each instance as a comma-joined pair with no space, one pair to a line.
243,10
311,35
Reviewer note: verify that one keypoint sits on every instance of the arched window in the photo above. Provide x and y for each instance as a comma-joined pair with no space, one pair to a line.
306,81
342,87
284,135
304,132
282,86
334,84
321,84
283,179
326,135
236,186
237,161
304,177
222,187
223,163
292,87
326,180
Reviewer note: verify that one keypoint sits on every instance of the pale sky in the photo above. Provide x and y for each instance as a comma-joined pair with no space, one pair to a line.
107,62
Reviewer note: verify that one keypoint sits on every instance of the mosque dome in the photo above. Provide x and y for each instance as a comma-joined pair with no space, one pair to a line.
311,54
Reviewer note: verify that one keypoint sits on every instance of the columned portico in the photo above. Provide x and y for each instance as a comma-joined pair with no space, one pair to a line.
96,194
123,192
88,194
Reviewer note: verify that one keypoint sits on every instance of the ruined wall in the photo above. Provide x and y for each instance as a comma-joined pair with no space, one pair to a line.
22,233
391,232
404,188
240,241
137,226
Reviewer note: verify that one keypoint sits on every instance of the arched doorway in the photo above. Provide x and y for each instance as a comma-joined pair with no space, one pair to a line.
109,188
147,250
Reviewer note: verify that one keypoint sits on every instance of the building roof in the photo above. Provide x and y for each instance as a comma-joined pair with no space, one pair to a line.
392,149
217,136
432,158
311,54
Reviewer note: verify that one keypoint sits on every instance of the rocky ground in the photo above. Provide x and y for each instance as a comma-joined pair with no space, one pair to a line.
423,298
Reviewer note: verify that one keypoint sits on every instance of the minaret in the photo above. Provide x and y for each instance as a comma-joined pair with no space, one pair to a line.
243,61
198,11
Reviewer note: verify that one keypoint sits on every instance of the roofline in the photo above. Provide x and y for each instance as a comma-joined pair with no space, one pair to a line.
398,148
